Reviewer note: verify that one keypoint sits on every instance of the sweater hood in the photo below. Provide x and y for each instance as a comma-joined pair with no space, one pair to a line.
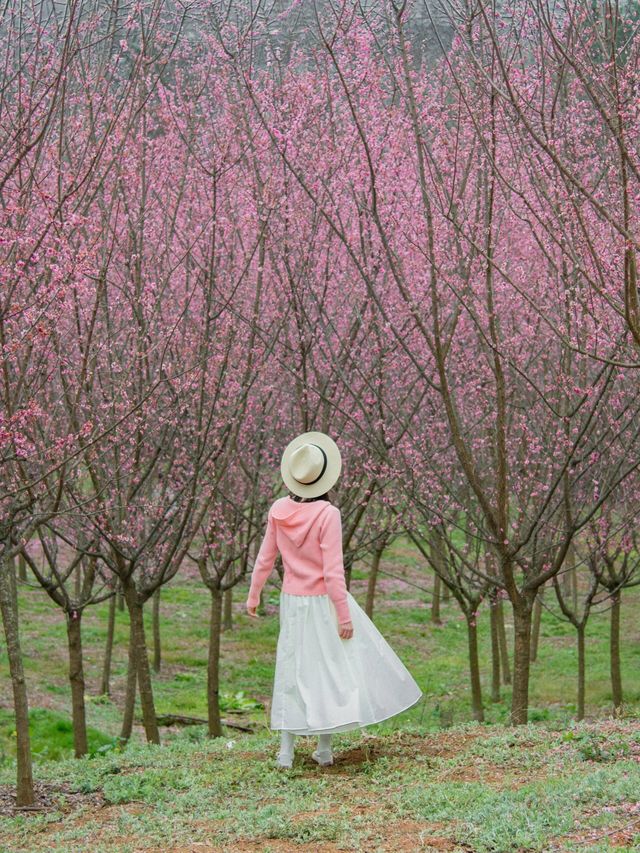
294,519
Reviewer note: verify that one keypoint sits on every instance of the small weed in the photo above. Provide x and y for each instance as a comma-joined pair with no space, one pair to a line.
595,747
238,701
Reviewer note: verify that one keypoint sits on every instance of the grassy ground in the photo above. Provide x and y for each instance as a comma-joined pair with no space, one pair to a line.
407,784
470,788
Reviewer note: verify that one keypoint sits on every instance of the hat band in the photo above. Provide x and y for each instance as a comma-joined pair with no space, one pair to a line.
324,467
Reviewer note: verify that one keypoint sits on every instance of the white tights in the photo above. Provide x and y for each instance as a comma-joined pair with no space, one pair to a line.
287,739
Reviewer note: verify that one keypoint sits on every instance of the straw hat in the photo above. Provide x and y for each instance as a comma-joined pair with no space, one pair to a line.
311,464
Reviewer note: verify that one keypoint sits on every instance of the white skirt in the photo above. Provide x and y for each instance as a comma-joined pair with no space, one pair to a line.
324,684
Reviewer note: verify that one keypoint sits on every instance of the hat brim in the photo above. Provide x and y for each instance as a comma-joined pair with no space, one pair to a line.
331,473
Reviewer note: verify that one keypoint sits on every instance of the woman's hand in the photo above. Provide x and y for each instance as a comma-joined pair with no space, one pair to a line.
345,630
251,611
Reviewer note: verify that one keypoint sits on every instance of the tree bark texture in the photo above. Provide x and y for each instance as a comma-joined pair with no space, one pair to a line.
495,651
614,655
145,688
157,649
105,686
213,665
521,660
9,606
537,618
373,579
227,621
76,680
474,670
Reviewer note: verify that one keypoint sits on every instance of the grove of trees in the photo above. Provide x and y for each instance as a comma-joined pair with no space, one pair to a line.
414,228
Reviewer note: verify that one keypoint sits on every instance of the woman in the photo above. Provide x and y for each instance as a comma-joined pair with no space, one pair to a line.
334,670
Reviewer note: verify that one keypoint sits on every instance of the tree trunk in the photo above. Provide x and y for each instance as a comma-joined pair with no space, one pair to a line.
105,687
22,567
213,665
438,558
495,650
474,669
120,597
566,575
145,688
348,565
614,655
504,648
157,651
537,618
521,660
9,607
130,694
581,672
435,601
373,579
227,621
76,679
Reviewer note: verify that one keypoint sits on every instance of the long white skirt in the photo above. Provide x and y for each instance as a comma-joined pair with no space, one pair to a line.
324,684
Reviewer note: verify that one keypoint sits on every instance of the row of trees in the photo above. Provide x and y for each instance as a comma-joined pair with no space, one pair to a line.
203,255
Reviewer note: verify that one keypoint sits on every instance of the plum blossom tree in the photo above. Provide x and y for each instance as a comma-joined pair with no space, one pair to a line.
54,78
453,256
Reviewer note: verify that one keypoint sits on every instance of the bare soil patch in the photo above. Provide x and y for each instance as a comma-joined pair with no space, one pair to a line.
58,797
442,745
621,838
401,836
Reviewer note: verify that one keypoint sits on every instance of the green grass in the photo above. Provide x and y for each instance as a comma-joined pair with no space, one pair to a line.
436,655
465,796
51,735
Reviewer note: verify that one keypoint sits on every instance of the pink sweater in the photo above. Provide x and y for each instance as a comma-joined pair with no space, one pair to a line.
309,537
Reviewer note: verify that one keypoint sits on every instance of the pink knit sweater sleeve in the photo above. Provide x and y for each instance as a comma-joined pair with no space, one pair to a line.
263,564
330,536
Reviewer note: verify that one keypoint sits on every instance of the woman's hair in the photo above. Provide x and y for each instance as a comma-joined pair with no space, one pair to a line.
324,497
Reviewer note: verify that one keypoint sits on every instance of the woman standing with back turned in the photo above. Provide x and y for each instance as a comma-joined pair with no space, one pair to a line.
334,669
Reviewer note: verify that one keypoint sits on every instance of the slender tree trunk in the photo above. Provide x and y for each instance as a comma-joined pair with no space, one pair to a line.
570,578
9,608
521,659
537,618
614,655
145,688
581,671
495,649
227,621
213,666
120,597
435,601
566,579
348,565
130,694
76,679
373,579
474,669
504,647
22,567
157,651
105,687
438,557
